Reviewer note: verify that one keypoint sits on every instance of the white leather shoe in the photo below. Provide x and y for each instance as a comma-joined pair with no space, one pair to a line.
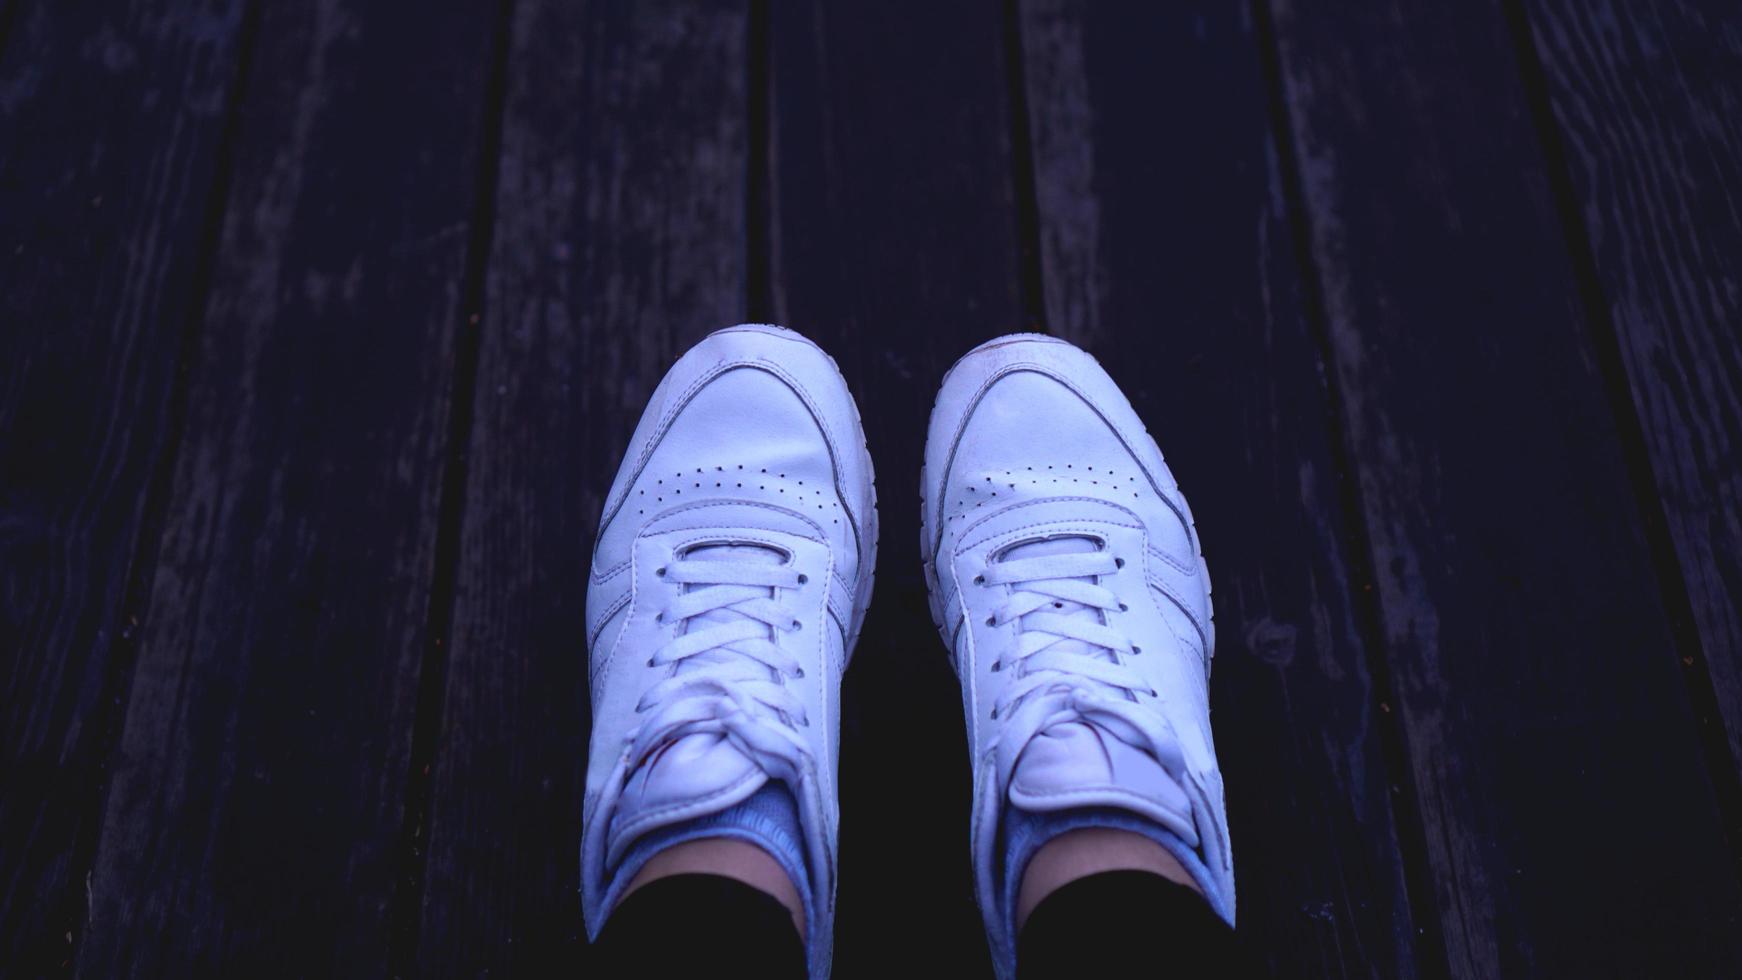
730,578
1067,581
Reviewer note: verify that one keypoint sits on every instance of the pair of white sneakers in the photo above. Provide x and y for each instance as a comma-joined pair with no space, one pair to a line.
733,569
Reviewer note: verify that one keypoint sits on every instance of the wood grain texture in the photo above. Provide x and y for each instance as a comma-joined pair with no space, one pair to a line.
111,119
253,819
894,236
1648,98
1167,254
618,244
1534,663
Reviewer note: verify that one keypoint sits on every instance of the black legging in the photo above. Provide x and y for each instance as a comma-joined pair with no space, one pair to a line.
1117,924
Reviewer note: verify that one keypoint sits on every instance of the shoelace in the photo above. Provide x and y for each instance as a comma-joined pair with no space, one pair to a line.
1058,682
729,676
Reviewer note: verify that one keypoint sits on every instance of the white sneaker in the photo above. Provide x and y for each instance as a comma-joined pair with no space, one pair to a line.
1067,581
730,578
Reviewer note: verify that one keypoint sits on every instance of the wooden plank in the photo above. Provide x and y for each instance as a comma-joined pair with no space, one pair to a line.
1649,110
1167,253
111,121
894,234
620,241
9,10
255,813
1570,820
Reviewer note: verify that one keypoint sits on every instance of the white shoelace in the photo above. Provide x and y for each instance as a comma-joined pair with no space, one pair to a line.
729,672
1071,665
1060,681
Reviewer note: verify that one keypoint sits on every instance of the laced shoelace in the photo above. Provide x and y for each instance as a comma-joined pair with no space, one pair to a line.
729,672
1059,681
1071,666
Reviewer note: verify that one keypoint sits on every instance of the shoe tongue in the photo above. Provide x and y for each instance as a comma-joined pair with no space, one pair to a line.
1079,763
693,776
1064,545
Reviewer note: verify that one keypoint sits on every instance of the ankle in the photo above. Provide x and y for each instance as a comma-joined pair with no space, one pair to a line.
1092,850
729,858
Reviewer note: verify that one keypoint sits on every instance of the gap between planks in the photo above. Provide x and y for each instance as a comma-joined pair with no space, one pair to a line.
1430,946
136,590
405,915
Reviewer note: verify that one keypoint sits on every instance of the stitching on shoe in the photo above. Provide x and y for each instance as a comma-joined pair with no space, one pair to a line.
821,538
600,578
1156,584
835,669
633,827
1082,792
962,535
1053,373
704,536
633,594
1185,568
616,606
837,461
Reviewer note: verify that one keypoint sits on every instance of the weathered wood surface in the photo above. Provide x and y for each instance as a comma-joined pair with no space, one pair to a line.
1167,253
1535,665
617,245
1647,105
112,120
322,327
253,823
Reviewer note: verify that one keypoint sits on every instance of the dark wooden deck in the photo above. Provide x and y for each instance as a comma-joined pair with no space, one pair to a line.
322,325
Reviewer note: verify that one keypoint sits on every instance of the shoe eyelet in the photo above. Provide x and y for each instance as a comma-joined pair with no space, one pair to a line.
1118,563
659,618
796,626
803,578
650,662
660,571
979,580
997,665
1136,651
1124,608
991,620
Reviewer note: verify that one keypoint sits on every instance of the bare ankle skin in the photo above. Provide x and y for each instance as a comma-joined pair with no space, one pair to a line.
1080,853
727,858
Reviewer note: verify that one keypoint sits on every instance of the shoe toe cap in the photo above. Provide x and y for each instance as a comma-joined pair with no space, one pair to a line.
751,414
1034,435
